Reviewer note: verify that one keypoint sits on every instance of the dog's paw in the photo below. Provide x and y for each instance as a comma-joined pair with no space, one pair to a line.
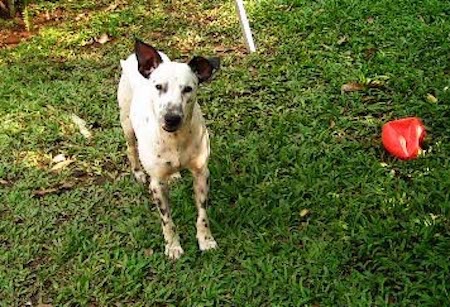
207,244
140,176
173,251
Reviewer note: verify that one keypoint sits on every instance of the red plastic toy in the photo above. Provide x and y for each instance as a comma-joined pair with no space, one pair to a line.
403,137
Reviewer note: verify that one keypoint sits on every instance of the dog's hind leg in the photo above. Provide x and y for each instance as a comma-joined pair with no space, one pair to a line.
201,189
160,194
124,96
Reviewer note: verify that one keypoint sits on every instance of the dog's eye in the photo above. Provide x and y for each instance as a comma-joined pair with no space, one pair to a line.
187,89
158,87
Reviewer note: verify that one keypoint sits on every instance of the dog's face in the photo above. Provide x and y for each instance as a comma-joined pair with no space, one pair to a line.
173,84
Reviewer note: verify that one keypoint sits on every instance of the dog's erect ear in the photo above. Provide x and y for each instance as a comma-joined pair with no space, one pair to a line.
204,68
148,58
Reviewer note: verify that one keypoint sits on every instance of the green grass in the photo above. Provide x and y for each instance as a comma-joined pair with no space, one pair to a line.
284,139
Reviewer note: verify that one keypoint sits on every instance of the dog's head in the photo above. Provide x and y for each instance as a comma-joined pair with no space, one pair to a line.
173,84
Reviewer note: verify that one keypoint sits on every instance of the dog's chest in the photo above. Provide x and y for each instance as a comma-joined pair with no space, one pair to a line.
165,154
172,152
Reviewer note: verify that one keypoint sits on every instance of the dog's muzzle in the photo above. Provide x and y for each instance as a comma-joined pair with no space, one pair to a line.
172,122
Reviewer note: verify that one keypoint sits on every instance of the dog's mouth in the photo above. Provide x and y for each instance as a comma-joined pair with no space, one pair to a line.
170,128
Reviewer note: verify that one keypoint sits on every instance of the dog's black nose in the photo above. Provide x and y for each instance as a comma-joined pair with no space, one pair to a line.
172,121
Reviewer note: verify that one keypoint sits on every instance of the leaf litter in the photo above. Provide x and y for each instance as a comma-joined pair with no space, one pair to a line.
355,86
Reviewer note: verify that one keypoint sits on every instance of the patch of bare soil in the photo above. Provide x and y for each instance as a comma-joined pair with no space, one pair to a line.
13,35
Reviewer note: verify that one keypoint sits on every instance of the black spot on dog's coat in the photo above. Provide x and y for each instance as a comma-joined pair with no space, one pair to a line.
163,211
203,204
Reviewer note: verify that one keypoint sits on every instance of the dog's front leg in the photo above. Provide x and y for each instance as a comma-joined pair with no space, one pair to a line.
132,152
201,189
124,96
160,194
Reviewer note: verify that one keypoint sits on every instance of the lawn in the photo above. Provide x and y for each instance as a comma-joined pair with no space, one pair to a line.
306,206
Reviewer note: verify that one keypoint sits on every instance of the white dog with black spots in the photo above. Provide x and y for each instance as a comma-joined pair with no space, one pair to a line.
165,131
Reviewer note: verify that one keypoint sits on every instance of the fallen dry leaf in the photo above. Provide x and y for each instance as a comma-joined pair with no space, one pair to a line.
431,98
342,40
375,83
80,16
56,189
43,192
59,158
81,124
352,87
60,165
304,212
112,7
368,83
103,39
5,182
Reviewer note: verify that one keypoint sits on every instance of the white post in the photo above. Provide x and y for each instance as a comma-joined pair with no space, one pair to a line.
245,26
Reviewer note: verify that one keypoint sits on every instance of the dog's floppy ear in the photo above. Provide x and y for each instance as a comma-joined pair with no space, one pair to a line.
204,68
148,58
